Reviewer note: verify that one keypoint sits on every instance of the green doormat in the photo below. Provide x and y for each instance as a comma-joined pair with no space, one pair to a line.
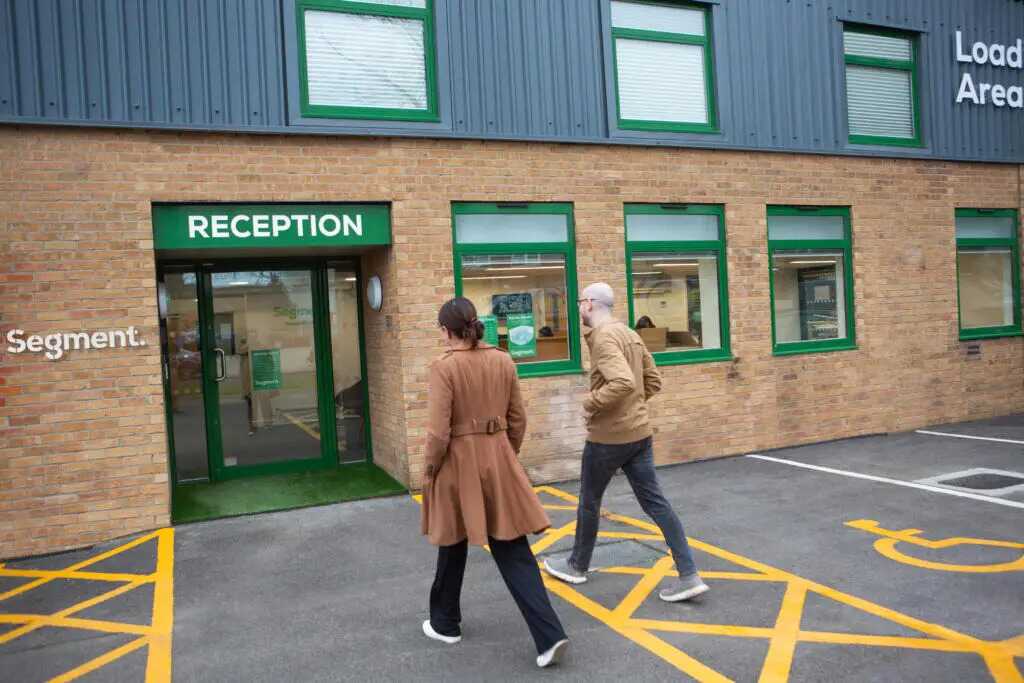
197,502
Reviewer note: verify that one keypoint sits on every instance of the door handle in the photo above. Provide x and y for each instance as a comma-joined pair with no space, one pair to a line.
223,374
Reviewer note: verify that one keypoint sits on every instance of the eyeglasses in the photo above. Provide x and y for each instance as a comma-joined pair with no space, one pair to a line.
580,301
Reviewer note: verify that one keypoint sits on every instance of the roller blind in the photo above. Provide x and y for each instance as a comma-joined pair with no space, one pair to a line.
880,100
359,60
661,81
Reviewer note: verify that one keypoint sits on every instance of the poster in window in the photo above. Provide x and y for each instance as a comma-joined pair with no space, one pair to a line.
266,369
522,335
490,329
503,305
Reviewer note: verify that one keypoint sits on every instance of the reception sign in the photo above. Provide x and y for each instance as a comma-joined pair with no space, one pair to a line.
235,226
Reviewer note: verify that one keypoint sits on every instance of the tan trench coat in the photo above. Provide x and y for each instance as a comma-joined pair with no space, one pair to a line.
476,427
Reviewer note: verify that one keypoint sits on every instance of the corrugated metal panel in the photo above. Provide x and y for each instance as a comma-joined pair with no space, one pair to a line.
516,69
526,67
187,62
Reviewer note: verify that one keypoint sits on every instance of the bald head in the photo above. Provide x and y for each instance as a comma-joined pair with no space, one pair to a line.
601,294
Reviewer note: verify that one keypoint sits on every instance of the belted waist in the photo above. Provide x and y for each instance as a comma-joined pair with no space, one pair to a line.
485,425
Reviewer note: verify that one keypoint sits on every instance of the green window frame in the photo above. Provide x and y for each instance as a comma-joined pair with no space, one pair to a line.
566,249
899,65
681,246
371,8
808,246
705,42
1011,243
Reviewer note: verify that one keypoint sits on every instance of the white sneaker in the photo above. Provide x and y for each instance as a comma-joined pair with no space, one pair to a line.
429,632
561,569
684,589
553,654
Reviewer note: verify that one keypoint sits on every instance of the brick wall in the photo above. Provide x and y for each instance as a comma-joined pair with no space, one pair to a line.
82,443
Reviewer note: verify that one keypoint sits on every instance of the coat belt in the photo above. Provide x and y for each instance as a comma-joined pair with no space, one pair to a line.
484,425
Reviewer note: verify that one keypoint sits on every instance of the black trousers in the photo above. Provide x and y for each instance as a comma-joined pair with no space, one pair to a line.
518,567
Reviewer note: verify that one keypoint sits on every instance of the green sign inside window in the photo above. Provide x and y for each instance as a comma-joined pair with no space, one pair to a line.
522,336
233,226
490,329
266,370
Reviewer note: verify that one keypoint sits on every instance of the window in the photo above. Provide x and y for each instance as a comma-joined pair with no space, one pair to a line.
372,59
675,266
881,87
811,279
662,60
988,277
517,264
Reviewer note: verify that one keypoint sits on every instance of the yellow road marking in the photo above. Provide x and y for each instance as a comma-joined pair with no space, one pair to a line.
785,634
301,425
886,547
782,647
100,661
157,634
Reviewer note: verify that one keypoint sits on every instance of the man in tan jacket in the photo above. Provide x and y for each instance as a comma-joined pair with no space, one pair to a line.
623,378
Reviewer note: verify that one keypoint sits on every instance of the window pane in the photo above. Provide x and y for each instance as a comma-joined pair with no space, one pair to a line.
806,228
356,60
880,102
658,18
504,228
661,81
675,301
870,45
526,294
349,384
986,287
810,298
399,3
670,228
984,227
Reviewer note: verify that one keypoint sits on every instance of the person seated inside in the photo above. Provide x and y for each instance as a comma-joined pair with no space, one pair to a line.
644,323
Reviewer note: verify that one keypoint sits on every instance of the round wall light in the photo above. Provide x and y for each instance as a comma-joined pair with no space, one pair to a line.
374,292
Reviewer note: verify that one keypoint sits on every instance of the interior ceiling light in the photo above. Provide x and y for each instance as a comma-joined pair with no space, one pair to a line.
496,277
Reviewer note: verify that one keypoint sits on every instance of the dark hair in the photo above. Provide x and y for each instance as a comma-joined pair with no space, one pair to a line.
458,316
644,322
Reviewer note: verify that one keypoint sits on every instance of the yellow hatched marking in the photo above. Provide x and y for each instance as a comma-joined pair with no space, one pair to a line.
100,661
301,425
786,633
156,635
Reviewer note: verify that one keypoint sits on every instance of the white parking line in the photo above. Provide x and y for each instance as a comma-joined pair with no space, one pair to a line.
969,436
896,482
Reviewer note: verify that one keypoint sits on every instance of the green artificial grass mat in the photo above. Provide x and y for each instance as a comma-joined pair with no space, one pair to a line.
200,501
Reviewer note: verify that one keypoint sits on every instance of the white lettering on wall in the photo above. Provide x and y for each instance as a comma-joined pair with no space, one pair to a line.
55,344
242,226
993,54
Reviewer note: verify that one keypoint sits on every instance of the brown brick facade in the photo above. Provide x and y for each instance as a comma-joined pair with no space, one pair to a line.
83,452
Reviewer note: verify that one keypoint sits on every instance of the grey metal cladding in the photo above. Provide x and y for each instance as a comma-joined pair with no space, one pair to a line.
143,62
508,69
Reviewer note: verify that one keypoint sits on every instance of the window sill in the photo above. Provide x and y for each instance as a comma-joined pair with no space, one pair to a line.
368,114
811,347
885,142
668,127
539,370
990,334
666,358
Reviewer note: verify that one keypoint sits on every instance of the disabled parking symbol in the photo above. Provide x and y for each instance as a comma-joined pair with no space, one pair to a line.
886,546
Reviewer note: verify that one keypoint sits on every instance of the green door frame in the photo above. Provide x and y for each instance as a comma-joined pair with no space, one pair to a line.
326,408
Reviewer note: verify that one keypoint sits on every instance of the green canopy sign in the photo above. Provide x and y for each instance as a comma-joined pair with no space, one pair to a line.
220,226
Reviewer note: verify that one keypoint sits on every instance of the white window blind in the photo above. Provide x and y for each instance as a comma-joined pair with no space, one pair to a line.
357,60
661,81
658,18
879,100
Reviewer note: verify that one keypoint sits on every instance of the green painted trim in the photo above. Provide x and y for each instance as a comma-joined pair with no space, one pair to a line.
360,300
1013,244
706,42
682,246
846,245
208,367
880,62
430,114
915,90
326,408
165,377
572,365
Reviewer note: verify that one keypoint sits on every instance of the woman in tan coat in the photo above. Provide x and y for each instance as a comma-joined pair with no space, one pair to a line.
474,490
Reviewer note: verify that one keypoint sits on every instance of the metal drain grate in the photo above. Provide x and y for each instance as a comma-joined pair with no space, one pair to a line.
981,479
984,481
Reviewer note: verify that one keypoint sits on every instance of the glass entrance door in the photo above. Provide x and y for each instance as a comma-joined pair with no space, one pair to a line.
262,336
264,369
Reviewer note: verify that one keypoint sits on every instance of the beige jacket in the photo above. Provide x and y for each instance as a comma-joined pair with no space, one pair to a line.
476,427
623,378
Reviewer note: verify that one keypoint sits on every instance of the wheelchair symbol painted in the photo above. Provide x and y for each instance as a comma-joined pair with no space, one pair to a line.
886,546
